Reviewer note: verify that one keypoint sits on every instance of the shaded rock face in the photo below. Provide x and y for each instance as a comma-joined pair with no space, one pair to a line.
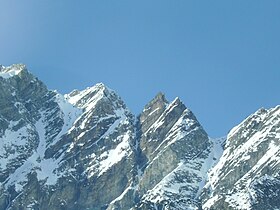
86,150
171,149
175,147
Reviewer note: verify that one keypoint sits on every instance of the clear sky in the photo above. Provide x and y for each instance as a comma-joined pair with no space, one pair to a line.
222,58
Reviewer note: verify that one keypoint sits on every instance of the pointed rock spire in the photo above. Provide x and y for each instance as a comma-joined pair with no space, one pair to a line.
152,111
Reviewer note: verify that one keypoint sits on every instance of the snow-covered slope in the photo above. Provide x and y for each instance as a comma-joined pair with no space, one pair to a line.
251,158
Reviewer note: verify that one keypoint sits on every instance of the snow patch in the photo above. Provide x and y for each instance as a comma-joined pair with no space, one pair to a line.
45,168
69,113
115,155
210,202
11,140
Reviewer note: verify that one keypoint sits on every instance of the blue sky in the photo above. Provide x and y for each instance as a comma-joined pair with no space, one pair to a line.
222,58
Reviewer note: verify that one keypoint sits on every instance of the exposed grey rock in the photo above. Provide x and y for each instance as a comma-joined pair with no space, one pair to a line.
175,146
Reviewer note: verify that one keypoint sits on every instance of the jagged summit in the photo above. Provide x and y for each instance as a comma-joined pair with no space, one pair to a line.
86,150
155,108
76,95
159,97
10,71
158,101
13,67
98,97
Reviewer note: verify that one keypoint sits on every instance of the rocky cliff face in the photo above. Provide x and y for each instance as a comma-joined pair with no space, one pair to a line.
86,150
175,148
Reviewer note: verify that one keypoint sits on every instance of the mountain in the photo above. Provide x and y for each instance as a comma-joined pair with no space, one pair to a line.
86,150
247,175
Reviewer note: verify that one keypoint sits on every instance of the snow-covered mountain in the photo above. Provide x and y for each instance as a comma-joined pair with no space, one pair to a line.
247,175
86,150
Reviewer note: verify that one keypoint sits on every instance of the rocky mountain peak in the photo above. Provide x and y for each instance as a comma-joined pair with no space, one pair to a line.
10,71
160,97
153,110
251,155
159,101
13,67
92,96
170,130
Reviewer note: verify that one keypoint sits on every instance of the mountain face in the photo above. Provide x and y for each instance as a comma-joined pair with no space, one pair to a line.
86,150
247,175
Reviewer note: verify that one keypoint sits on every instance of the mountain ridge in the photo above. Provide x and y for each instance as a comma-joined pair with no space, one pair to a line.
86,150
